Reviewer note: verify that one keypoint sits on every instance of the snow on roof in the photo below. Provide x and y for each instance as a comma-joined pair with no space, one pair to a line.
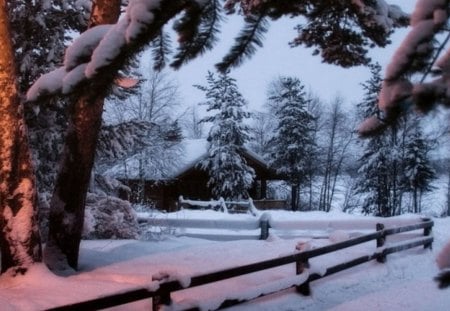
168,165
194,151
172,163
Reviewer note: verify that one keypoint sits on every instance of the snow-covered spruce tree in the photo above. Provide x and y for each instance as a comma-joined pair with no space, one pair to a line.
418,172
294,136
374,170
370,177
19,237
381,173
374,182
229,175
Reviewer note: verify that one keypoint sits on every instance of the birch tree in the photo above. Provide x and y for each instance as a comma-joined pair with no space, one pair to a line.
338,138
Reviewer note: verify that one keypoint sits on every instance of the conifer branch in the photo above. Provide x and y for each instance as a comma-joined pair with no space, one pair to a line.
160,49
245,44
194,42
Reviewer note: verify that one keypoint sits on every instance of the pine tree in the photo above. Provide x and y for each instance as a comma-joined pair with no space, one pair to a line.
382,164
373,173
294,140
229,175
418,170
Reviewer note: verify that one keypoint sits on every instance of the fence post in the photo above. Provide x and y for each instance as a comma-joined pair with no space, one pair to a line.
180,202
427,232
252,208
163,299
223,205
264,225
303,288
380,242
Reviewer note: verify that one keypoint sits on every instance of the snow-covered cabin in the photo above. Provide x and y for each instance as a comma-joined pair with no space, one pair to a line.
175,172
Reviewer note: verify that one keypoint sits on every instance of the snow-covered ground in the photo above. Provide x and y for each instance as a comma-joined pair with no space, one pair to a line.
404,282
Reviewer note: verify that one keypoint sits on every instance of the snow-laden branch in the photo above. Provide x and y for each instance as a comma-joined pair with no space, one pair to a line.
381,14
101,46
101,51
398,92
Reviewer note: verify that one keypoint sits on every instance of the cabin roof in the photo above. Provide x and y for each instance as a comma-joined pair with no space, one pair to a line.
183,158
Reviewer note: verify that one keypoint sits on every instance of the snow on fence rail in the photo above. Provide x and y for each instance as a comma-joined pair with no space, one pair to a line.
241,229
223,205
161,288
261,224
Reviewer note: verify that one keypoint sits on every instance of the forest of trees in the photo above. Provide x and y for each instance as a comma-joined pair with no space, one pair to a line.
64,106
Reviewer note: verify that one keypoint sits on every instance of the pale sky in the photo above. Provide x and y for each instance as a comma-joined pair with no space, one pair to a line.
277,58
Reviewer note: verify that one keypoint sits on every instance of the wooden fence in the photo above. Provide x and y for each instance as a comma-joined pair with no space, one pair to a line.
241,206
261,224
264,224
162,296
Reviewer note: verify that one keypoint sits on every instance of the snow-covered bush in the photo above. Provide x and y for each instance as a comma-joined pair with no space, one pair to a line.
108,217
107,185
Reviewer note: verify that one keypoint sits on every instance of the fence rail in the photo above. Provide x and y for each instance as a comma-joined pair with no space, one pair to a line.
246,206
265,224
161,296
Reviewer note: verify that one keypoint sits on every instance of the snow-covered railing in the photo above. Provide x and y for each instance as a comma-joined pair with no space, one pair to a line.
259,228
261,224
221,204
163,285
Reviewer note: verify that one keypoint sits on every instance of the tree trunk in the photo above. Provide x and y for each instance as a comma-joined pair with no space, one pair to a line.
294,197
19,238
69,197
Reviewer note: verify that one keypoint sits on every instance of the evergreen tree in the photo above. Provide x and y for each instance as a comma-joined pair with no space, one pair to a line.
373,173
418,170
294,136
229,175
374,180
382,164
